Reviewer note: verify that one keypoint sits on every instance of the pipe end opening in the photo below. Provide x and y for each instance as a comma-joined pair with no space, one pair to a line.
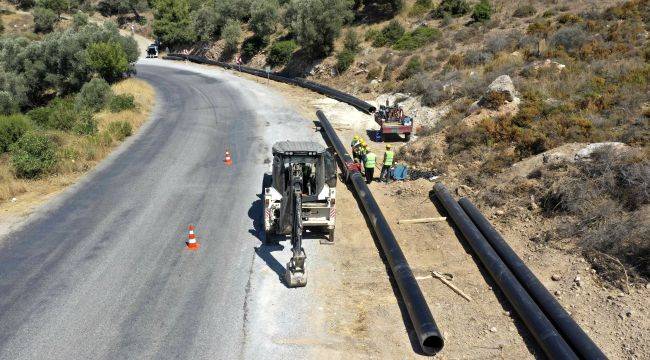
432,344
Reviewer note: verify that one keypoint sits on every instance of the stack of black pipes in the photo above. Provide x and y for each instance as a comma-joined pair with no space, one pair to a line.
551,326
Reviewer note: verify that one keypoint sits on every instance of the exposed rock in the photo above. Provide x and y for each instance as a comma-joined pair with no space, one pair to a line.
536,66
588,150
463,190
556,277
578,280
500,99
502,85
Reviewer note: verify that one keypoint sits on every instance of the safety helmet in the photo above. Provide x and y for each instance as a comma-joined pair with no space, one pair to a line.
388,146
356,137
363,142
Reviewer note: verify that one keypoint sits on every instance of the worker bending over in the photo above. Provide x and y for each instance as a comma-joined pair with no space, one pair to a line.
389,157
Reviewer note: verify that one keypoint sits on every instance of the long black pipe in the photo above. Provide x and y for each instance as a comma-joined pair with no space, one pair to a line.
429,337
539,326
572,332
308,84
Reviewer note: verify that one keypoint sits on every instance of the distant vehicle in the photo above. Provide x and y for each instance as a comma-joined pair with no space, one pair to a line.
152,51
300,192
393,121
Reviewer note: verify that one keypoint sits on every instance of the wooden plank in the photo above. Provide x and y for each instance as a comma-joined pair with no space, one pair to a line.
422,220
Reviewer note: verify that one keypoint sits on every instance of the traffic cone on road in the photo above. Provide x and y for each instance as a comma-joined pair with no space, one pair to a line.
227,159
192,244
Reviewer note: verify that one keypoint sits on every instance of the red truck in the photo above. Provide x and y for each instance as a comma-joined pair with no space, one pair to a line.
393,121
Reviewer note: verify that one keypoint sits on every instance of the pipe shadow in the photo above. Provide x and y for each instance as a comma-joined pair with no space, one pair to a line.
529,341
410,330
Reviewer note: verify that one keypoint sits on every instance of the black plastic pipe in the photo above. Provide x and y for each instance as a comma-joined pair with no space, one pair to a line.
548,338
429,337
308,84
572,332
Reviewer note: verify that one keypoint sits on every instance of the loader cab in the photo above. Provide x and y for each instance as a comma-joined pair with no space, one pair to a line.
317,165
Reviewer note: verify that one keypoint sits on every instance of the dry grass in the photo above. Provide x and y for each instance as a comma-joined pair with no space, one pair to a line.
77,154
18,23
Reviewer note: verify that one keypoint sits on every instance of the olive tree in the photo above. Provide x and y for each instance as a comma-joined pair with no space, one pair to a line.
316,23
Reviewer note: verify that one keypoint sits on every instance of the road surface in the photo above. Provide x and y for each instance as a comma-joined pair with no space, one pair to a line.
101,272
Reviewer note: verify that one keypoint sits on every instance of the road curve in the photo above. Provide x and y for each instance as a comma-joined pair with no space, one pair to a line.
102,272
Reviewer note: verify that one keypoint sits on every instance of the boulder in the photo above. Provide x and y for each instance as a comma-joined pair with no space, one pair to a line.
500,92
502,85
588,150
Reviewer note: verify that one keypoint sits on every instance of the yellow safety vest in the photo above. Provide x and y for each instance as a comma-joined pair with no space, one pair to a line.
371,159
388,157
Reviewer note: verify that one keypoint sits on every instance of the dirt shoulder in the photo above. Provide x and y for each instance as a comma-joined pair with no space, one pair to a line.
21,197
363,308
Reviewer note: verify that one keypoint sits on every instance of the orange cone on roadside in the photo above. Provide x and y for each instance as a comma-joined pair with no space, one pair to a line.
227,159
192,244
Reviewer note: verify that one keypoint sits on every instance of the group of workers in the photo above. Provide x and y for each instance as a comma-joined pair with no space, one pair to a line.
362,154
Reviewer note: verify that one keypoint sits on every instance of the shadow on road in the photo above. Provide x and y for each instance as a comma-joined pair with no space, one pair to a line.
265,253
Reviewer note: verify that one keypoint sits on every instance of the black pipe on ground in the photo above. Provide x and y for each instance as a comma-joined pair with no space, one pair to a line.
572,332
429,337
308,84
539,326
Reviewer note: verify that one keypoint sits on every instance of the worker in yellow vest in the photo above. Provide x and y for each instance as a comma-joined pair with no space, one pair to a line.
370,161
355,145
389,157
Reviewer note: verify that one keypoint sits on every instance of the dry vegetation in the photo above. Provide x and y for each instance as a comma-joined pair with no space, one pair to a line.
76,153
595,88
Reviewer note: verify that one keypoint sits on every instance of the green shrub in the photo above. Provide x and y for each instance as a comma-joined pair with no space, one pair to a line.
251,47
351,41
85,124
231,33
2,26
569,39
33,155
44,20
281,52
8,105
120,130
344,60
371,34
63,115
93,95
417,38
12,127
121,102
108,59
374,73
452,7
482,11
524,11
40,116
264,17
79,19
420,8
57,6
317,23
389,34
413,66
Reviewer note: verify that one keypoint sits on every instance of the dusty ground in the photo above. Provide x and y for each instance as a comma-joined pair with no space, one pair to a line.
363,307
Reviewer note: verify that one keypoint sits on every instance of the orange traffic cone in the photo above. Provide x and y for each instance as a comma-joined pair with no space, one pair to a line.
192,244
227,159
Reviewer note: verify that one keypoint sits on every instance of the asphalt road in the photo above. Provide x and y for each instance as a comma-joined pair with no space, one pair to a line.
102,271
